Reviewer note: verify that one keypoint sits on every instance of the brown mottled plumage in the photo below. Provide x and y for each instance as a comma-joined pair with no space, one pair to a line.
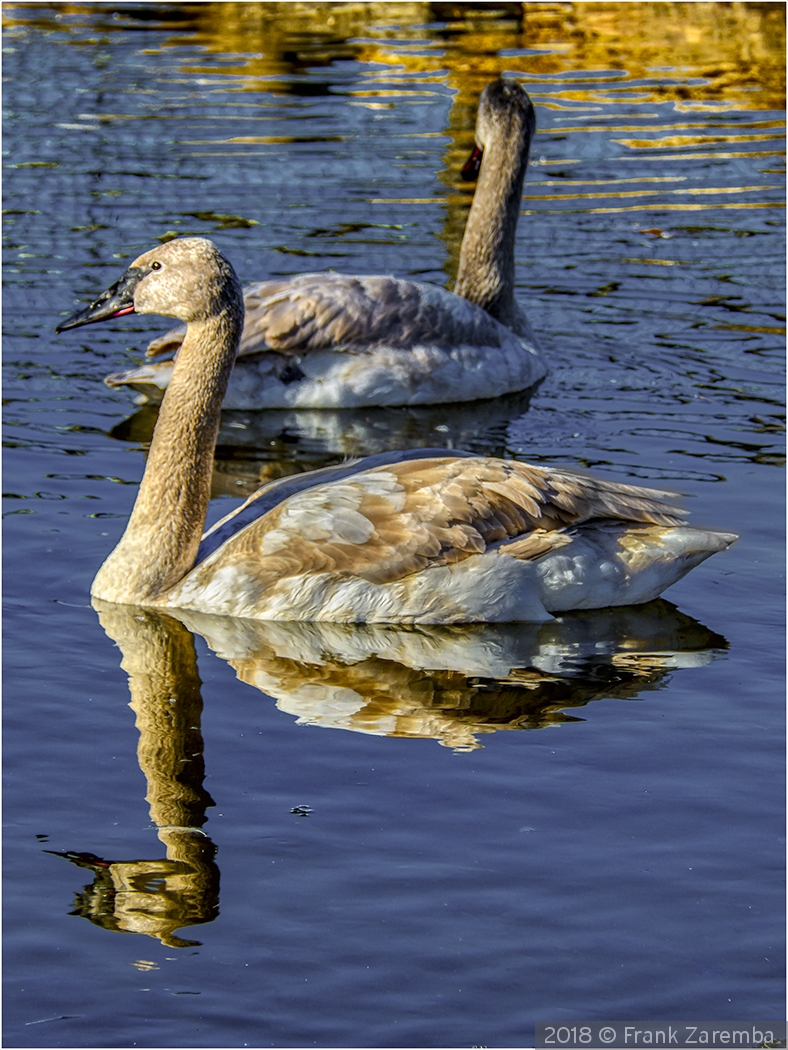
435,512
321,311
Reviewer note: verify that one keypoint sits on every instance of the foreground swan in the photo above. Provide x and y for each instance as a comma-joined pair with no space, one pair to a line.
329,340
420,537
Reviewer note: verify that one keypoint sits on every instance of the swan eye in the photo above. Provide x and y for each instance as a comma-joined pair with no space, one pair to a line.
155,266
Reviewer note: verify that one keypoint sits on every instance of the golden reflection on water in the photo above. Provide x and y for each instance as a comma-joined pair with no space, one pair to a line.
696,190
737,48
631,55
611,68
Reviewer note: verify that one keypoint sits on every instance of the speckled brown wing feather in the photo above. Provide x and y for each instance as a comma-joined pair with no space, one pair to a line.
319,311
385,524
565,497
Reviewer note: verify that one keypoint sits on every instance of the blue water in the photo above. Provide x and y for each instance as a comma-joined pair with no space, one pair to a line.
599,835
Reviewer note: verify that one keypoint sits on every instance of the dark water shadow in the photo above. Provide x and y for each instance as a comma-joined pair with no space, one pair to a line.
256,447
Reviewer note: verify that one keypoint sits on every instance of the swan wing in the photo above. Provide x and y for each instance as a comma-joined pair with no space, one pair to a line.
319,311
397,519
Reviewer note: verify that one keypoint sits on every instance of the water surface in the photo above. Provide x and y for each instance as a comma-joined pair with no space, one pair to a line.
429,838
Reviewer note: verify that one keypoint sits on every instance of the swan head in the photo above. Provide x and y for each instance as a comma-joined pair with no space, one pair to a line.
506,116
188,279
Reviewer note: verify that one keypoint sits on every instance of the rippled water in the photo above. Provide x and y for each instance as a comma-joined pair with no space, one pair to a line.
619,855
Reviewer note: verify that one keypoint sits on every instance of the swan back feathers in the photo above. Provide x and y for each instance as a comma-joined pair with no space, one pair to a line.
345,312
395,520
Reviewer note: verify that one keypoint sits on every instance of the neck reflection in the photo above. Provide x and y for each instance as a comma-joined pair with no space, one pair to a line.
159,896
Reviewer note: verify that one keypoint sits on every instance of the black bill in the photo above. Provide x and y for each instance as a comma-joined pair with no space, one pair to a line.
470,169
116,301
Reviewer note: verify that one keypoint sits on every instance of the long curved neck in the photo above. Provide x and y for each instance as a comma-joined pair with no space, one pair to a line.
161,539
486,271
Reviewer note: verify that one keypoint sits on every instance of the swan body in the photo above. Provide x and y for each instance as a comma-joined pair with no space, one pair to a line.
442,539
416,537
329,340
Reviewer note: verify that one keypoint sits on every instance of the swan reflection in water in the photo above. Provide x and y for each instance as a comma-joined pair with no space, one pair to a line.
453,683
157,897
256,447
450,684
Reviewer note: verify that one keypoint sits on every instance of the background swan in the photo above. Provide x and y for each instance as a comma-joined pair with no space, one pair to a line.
330,340
417,537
